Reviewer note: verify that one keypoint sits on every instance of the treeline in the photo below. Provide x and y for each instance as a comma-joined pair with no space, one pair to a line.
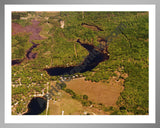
20,44
82,98
16,18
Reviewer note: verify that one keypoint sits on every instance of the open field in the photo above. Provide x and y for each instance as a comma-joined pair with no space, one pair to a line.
66,104
99,92
71,106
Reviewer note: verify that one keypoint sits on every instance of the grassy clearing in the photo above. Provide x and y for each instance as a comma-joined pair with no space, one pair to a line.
66,104
104,93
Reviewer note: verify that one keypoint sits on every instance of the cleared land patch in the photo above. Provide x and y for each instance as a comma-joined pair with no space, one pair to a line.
65,103
105,93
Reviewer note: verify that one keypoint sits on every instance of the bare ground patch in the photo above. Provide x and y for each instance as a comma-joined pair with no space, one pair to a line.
105,93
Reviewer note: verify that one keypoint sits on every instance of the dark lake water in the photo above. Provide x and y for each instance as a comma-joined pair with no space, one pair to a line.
36,106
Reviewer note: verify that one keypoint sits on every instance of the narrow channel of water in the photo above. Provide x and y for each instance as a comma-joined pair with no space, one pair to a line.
29,55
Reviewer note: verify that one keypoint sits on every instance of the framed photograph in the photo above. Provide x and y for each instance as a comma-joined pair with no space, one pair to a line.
80,64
